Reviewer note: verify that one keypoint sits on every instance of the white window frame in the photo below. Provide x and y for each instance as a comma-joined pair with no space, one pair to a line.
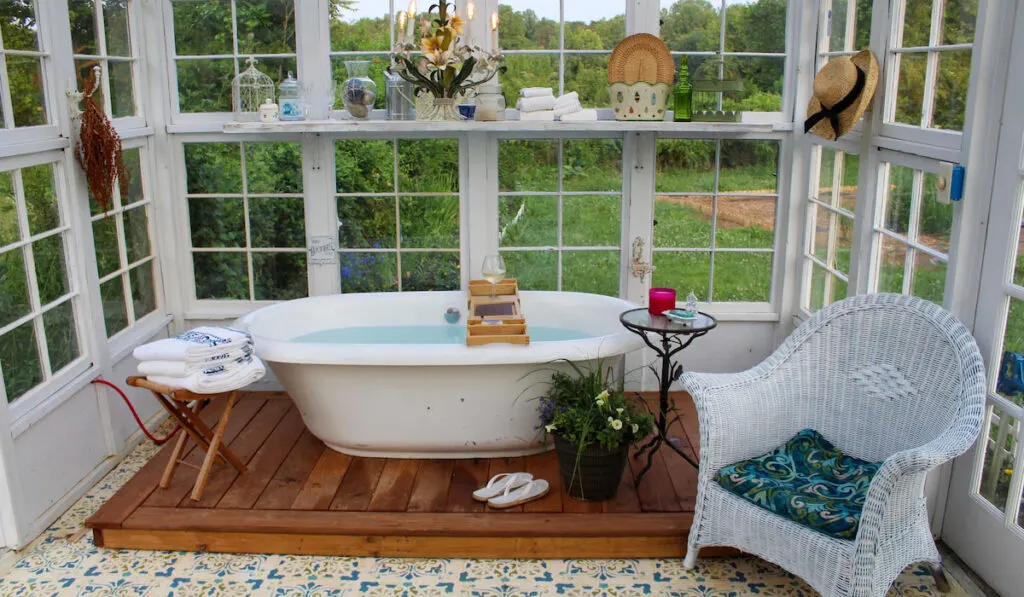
834,212
13,140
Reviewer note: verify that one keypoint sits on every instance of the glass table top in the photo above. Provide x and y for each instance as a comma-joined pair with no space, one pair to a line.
641,319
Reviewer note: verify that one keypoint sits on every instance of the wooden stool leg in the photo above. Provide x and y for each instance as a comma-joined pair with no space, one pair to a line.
172,464
214,449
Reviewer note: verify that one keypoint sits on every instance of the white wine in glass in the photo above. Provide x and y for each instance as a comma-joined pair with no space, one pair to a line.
494,270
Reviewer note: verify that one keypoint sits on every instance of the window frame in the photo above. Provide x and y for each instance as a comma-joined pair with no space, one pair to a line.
813,204
44,136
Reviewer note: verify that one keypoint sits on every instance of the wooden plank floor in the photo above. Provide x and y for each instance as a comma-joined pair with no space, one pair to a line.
300,497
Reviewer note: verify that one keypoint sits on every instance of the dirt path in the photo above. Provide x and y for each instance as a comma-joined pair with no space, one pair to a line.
734,211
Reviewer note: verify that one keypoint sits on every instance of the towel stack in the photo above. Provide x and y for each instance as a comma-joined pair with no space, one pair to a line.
536,103
206,360
568,107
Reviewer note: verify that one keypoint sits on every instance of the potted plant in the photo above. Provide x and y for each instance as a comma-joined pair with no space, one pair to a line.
593,424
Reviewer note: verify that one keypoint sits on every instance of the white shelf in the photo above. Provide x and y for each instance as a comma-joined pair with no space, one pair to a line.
510,126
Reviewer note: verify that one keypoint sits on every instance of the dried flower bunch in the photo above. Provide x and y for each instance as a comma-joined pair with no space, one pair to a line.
99,151
444,66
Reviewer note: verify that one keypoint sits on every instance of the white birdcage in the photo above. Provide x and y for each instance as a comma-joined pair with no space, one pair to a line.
249,90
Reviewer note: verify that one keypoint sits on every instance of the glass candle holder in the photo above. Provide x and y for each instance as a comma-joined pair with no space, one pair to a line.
660,300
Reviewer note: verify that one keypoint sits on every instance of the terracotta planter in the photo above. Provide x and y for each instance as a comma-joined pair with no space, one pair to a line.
596,475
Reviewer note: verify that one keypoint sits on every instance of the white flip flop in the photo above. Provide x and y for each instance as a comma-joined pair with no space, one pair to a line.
513,497
501,483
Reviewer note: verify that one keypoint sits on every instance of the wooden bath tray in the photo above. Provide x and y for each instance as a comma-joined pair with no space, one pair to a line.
496,318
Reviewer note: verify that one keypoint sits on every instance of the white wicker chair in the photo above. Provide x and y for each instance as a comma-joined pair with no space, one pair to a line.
883,377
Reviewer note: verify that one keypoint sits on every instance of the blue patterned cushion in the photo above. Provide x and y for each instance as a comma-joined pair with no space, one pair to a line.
806,480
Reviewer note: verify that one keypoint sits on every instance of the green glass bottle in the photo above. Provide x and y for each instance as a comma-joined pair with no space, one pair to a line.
683,95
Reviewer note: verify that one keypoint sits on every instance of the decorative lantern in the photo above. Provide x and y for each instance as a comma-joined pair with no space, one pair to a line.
712,80
249,91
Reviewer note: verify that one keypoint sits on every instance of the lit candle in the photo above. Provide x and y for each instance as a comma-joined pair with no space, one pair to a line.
470,13
661,300
402,18
494,31
412,17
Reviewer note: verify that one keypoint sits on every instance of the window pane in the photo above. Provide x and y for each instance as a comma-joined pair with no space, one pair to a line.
691,26
26,76
213,167
122,89
136,234
954,72
591,271
266,26
84,72
587,75
115,24
892,265
40,198
51,274
591,221
745,222
755,26
592,165
83,27
818,244
999,452
826,174
279,276
217,222
599,29
273,167
685,166
929,277
528,165
763,79
742,277
749,167
839,289
686,272
936,219
202,28
528,70
133,163
958,21
844,244
683,222
19,360
430,222
205,85
277,222
910,88
368,272
528,221
366,222
528,25
143,290
430,271
533,270
917,23
848,182
221,276
61,336
360,25
9,228
104,240
364,166
837,25
428,166
816,298
115,312
19,26
275,68
897,201
13,287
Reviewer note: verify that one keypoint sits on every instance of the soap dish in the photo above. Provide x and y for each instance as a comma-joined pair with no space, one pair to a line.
680,315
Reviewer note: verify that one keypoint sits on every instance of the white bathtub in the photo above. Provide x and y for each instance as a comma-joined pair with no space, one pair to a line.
428,400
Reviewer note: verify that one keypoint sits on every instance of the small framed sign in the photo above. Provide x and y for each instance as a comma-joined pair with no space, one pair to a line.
322,251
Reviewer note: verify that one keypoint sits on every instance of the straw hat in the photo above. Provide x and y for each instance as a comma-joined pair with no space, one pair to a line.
843,89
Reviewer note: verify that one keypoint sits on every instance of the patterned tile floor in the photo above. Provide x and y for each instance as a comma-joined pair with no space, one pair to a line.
63,561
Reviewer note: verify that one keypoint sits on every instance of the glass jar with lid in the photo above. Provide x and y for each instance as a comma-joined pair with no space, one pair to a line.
490,103
290,99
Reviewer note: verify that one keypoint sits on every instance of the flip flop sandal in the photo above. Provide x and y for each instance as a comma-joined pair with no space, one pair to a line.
513,497
500,484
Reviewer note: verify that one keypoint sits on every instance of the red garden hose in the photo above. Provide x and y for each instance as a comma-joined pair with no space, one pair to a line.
156,440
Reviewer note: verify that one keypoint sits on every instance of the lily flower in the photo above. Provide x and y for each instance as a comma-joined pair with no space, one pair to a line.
602,397
619,410
550,427
636,428
456,23
430,44
616,424
440,60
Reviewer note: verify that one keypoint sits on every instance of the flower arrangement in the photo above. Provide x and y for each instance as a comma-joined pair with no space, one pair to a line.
444,67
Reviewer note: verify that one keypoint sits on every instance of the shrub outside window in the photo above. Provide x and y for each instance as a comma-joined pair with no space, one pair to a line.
101,36
22,92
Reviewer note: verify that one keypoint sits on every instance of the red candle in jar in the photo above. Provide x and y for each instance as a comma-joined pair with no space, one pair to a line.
661,300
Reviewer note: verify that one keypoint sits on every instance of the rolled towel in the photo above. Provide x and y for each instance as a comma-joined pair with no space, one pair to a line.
184,368
222,378
569,108
542,115
568,99
587,114
536,104
194,346
536,92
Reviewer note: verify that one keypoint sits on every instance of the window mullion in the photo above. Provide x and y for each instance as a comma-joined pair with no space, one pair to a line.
101,50
561,187
851,26
31,280
5,94
245,216
398,214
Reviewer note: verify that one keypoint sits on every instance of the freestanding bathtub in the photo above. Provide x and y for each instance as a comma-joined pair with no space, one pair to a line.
384,375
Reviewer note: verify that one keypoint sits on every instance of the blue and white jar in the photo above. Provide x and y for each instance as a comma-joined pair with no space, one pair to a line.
290,99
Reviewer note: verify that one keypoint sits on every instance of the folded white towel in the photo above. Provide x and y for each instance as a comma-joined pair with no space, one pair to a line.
221,378
535,104
536,92
542,115
568,99
569,108
194,346
238,356
588,114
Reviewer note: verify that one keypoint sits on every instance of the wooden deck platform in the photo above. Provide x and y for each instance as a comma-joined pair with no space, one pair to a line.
299,497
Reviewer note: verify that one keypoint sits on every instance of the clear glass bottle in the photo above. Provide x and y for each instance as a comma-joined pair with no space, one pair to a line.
683,95
358,92
490,103
290,100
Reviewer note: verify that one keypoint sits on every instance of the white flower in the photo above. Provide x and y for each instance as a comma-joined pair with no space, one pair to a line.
610,419
552,427
600,402
636,428
439,60
616,424
618,410
602,397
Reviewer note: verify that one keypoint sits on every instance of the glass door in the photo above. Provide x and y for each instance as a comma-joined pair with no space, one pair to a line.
984,523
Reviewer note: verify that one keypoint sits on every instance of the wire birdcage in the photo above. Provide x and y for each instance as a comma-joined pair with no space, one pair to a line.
248,91
712,80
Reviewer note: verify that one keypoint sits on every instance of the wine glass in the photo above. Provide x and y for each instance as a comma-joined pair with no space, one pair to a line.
494,270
